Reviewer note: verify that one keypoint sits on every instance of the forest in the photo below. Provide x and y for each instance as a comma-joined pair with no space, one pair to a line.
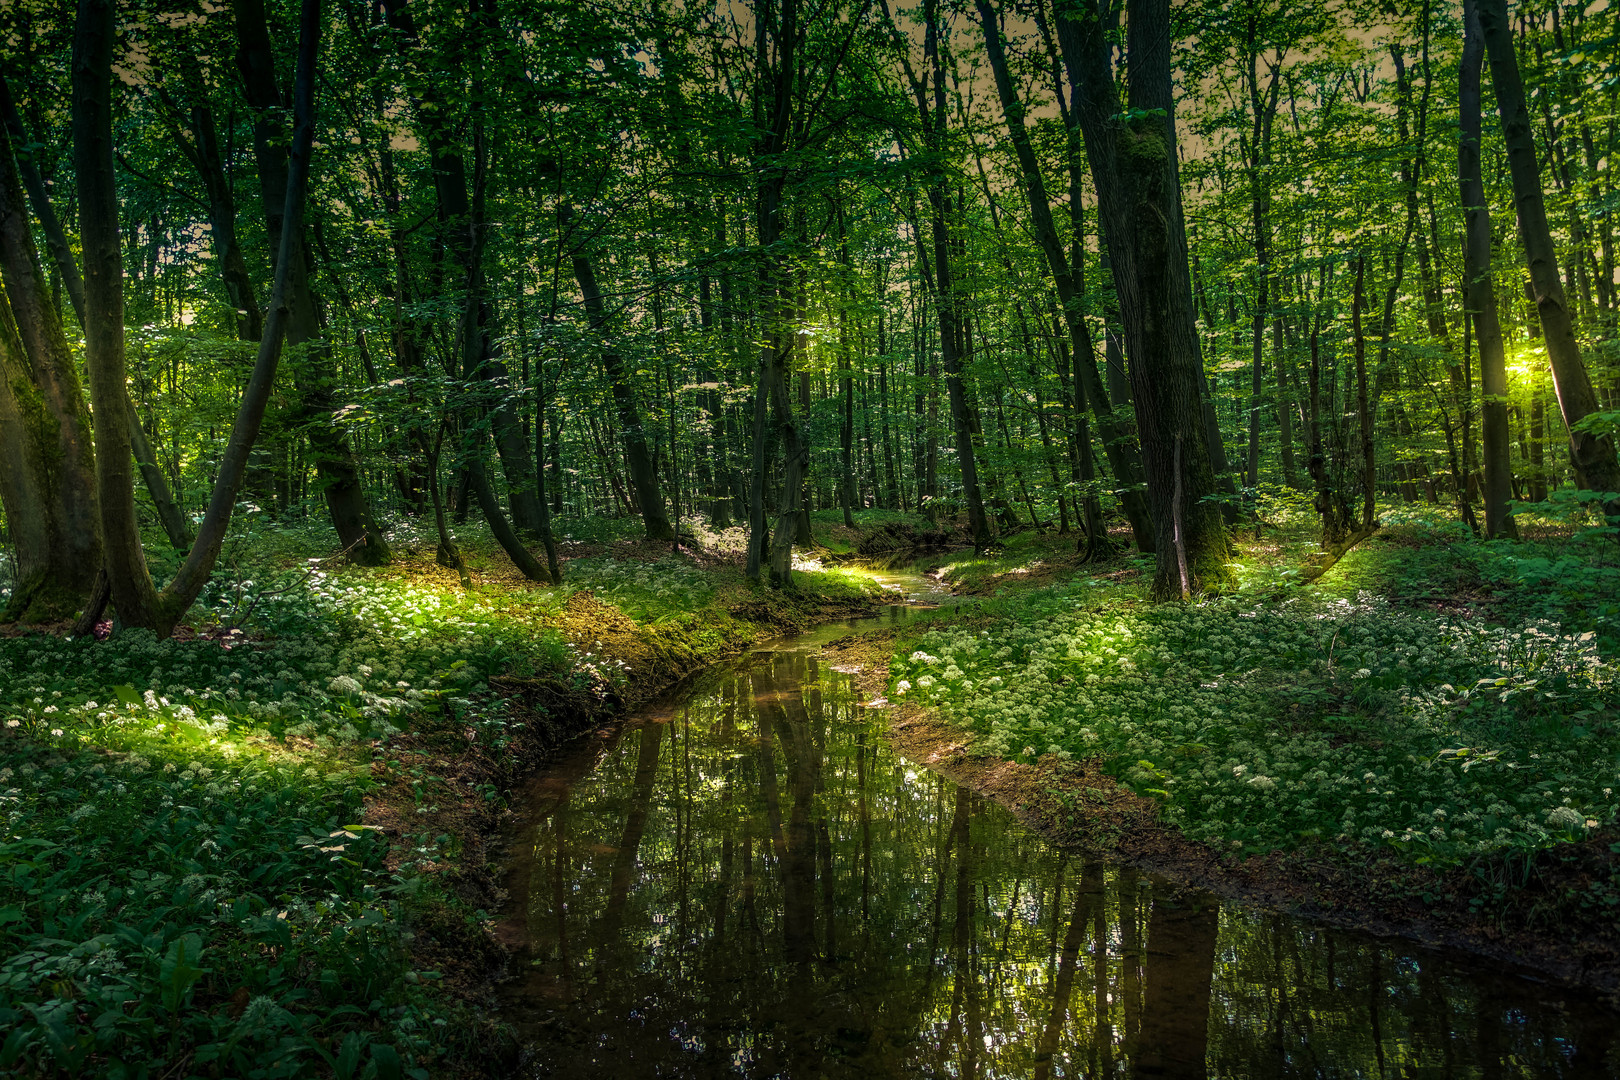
1176,444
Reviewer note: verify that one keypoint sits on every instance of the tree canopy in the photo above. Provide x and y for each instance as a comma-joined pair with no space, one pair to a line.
1135,273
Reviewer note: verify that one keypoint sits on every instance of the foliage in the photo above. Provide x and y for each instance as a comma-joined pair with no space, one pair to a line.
205,903
1565,571
184,882
1264,726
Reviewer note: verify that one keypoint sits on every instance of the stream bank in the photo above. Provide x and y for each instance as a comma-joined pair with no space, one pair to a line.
1548,911
747,879
442,794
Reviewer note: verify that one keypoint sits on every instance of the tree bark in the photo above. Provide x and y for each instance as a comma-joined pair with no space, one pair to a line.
1364,409
934,119
138,603
1133,161
343,488
49,489
1123,457
1479,292
170,516
1592,455
643,474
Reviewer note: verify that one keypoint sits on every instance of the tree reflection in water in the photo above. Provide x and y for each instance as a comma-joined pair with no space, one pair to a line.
752,883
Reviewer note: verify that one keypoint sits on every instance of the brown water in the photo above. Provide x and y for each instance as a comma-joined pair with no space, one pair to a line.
747,881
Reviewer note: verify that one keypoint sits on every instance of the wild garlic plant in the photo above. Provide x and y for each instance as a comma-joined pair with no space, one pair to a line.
1259,727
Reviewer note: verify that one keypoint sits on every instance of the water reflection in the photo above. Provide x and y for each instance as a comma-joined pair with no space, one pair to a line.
753,884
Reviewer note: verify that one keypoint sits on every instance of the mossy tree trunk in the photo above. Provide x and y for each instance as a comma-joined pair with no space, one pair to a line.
169,513
49,466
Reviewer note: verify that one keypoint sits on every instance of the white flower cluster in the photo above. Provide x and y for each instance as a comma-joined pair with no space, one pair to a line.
1331,719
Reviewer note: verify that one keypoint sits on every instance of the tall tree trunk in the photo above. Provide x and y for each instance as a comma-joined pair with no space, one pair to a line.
170,516
773,102
934,120
1133,161
1364,408
1121,449
358,533
1479,293
1592,455
893,497
50,465
548,540
716,475
138,603
846,427
643,473
1263,109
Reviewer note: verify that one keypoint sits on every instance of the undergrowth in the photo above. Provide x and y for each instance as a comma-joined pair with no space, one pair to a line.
187,887
1337,715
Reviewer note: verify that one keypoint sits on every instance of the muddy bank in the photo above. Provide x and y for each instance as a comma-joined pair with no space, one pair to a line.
1555,920
443,789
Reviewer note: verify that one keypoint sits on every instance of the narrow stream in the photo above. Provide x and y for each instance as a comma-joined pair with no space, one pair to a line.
746,881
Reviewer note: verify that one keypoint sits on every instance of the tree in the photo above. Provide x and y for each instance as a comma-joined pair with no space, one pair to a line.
358,532
1592,453
1132,151
643,475
1121,451
138,602
48,487
1479,293
173,521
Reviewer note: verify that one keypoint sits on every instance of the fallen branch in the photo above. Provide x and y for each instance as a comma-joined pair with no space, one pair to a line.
1323,561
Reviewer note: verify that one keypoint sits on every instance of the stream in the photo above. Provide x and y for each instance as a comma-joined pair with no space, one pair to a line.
745,880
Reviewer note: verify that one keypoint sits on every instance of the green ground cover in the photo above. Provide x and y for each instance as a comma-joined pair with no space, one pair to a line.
186,884
1357,712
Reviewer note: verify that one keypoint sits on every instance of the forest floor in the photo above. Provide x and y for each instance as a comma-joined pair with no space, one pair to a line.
258,848
1423,743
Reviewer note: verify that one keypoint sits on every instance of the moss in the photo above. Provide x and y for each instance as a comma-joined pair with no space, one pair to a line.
40,600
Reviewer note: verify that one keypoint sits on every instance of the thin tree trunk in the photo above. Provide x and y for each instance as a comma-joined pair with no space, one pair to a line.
1479,294
1369,460
358,533
546,538
643,473
846,436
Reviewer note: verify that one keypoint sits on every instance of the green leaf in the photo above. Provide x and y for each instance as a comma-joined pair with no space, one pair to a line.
179,971
348,1059
386,1058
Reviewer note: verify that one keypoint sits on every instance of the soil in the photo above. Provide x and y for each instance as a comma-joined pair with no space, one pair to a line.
1551,916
